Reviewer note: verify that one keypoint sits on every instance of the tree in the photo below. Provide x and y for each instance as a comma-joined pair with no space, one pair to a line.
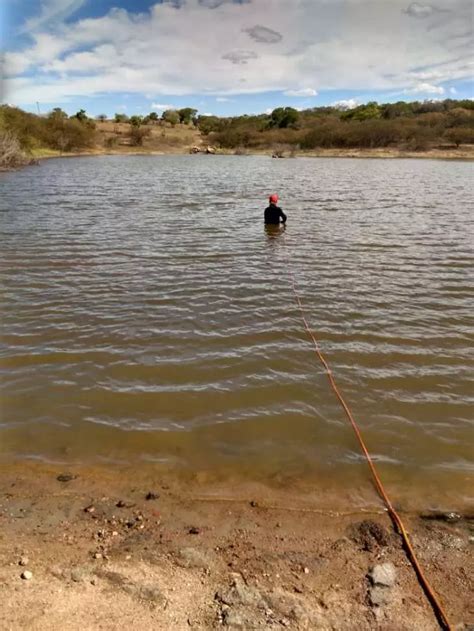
460,135
363,112
120,118
136,121
58,113
187,114
284,117
171,116
81,116
153,116
102,117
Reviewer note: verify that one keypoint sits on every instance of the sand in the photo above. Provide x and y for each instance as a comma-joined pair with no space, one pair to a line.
114,547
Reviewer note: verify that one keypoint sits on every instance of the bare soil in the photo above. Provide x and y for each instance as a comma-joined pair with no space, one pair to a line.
111,548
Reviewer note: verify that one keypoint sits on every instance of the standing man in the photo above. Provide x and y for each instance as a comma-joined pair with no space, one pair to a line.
274,213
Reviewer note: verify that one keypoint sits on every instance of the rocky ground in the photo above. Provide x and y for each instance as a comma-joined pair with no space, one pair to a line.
109,549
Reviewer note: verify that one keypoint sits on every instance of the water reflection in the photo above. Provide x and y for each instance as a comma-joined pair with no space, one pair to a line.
274,231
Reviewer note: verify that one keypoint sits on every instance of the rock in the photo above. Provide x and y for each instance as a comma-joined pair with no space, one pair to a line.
66,477
120,504
384,575
89,509
194,531
191,557
152,496
98,555
379,596
306,570
239,593
23,561
232,618
26,575
80,574
253,504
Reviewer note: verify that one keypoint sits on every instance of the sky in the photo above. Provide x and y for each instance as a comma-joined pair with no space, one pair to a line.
230,57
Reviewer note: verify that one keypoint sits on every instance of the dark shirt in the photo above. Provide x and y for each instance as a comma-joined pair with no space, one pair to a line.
273,214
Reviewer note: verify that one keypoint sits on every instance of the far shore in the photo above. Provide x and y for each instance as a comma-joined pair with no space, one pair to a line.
110,547
466,153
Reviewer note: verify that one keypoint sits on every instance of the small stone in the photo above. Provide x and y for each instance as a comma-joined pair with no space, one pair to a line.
384,574
98,555
66,477
194,531
379,596
89,509
26,575
306,570
120,504
93,581
114,533
152,496
253,504
23,561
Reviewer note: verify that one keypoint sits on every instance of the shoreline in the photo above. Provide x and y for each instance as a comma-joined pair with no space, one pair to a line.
464,155
109,546
441,154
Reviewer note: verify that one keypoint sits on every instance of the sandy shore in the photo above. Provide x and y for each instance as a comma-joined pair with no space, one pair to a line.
111,548
465,153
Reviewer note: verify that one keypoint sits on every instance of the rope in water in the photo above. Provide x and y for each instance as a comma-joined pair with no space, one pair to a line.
396,519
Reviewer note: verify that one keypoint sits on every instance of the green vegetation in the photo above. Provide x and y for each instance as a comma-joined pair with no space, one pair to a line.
415,126
412,126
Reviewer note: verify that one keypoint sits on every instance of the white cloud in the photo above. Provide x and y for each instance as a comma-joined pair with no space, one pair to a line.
222,48
346,104
223,99
268,111
418,10
453,90
426,88
52,11
161,107
301,92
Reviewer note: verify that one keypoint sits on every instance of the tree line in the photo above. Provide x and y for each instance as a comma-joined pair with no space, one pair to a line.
408,125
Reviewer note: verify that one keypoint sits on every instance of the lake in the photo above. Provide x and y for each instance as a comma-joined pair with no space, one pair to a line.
148,317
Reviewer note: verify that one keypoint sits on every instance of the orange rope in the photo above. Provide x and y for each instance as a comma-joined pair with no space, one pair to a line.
429,591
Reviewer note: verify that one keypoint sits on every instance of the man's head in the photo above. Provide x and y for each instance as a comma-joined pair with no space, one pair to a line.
273,199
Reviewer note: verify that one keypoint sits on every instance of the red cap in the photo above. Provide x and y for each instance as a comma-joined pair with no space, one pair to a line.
273,199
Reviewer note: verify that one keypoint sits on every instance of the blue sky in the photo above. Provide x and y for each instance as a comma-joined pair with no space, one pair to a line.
229,57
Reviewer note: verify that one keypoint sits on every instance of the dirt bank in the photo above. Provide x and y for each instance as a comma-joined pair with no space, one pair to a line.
113,548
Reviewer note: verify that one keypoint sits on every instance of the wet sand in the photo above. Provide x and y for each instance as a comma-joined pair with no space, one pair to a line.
111,547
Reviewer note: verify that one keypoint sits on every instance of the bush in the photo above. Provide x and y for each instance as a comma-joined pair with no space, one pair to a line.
137,136
11,154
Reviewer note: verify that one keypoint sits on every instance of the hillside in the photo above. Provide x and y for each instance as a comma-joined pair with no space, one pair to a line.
432,128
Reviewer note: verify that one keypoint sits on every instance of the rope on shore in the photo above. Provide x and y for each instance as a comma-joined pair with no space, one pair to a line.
395,517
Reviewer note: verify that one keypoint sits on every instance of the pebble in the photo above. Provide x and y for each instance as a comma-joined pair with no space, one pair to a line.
152,496
89,509
114,533
98,555
306,570
65,477
194,531
26,575
24,561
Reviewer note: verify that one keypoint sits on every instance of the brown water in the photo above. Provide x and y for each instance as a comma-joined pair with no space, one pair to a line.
148,317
